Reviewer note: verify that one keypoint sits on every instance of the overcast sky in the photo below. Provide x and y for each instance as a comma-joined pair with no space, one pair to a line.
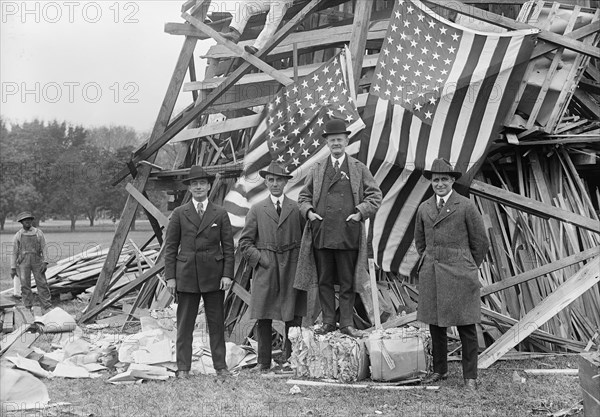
92,63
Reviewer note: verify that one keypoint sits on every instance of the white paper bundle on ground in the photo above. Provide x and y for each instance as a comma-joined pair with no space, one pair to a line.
333,355
57,320
19,390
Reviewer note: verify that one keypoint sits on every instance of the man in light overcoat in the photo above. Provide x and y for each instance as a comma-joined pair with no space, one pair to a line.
451,240
199,263
339,195
270,241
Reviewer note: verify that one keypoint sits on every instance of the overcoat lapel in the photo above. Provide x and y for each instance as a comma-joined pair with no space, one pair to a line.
355,179
191,213
431,208
286,209
318,181
448,209
209,216
270,210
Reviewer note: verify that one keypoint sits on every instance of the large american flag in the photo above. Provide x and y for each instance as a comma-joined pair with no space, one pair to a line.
290,133
439,90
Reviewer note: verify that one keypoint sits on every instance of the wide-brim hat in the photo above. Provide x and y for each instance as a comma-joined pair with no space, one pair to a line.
198,173
441,166
274,169
24,216
335,126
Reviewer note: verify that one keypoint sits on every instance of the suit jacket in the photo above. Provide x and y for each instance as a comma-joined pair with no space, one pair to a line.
271,243
198,253
367,199
451,244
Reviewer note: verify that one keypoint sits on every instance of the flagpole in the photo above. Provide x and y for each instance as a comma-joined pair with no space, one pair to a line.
349,73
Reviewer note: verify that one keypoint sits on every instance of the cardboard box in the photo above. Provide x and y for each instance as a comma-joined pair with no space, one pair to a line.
398,354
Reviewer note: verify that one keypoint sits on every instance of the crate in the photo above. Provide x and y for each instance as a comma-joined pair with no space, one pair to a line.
589,379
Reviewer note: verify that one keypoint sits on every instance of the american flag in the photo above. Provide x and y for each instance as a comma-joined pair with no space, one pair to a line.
290,133
439,90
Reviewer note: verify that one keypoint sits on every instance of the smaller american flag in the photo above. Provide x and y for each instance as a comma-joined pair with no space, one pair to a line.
295,118
290,133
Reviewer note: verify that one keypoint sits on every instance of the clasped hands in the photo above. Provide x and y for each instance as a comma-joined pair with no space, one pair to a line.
225,284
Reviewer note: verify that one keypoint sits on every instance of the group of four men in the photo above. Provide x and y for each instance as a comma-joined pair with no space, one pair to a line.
321,240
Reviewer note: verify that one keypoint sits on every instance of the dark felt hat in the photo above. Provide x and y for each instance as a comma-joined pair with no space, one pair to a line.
197,173
335,126
274,169
24,215
441,166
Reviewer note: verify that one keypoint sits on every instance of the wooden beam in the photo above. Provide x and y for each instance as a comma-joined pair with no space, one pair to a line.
358,39
505,22
542,270
532,206
139,183
245,67
237,49
150,208
564,295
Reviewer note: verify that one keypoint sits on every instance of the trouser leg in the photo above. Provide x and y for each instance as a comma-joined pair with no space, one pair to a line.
345,262
187,310
439,344
43,290
326,271
215,319
265,339
287,345
25,276
470,349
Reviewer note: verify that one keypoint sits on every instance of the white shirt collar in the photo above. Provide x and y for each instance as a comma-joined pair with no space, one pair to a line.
445,198
340,159
274,199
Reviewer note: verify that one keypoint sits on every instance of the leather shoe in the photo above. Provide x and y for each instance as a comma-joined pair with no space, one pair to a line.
183,374
262,368
434,377
251,49
351,331
471,384
223,372
325,328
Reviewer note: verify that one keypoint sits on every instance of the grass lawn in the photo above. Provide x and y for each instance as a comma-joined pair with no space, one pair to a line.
248,394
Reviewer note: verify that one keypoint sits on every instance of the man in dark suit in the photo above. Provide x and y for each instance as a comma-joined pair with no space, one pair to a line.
339,194
451,240
199,263
271,243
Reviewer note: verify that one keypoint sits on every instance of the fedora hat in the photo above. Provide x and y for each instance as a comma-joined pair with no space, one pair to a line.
335,126
24,216
274,169
197,173
441,166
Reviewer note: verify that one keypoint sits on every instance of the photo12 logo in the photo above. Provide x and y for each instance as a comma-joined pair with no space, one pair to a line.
69,92
69,11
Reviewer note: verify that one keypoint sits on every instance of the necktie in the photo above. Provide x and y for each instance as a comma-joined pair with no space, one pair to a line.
278,208
337,166
200,211
440,205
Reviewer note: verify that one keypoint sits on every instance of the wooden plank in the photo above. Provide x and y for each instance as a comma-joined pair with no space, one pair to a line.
8,321
505,22
139,183
358,38
237,49
8,340
532,206
198,109
147,204
542,270
564,295
374,294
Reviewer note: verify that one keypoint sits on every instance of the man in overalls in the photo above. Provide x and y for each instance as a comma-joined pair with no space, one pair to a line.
29,246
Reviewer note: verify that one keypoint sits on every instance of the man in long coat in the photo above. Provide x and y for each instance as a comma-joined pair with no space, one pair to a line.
270,242
451,240
199,263
339,194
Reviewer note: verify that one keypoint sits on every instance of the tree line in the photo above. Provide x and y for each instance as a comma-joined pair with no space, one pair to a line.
57,170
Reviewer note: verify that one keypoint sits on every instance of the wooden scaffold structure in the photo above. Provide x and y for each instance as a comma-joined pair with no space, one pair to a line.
538,188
